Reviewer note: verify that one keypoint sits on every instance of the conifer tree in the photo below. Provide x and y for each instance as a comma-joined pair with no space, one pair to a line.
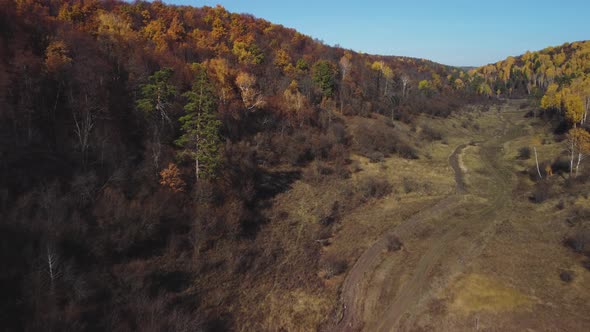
156,98
200,138
158,94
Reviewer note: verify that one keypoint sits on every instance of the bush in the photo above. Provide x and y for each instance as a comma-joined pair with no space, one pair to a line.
566,276
579,242
541,192
379,140
333,266
393,243
406,151
374,187
332,216
430,134
560,166
375,157
524,153
560,205
410,185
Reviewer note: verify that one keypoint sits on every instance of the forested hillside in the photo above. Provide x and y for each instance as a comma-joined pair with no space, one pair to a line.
142,144
558,80
171,168
532,73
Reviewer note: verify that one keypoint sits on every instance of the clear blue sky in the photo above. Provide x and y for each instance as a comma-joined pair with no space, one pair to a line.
457,32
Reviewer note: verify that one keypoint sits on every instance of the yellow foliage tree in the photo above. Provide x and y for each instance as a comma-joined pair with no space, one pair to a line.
171,178
578,140
573,107
57,56
251,96
551,99
296,104
222,74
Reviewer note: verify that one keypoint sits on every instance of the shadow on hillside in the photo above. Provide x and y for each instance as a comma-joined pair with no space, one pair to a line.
268,185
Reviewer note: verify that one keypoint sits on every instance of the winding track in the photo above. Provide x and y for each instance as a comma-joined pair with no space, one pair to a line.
441,249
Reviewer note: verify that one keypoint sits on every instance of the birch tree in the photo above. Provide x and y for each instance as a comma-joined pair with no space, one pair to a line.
251,95
578,140
535,142
405,79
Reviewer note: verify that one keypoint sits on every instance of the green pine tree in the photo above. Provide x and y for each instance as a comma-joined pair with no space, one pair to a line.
200,140
324,76
158,94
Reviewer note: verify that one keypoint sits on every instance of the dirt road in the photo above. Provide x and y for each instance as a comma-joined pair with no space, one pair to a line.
383,290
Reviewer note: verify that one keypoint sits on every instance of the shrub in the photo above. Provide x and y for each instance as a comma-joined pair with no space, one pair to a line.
378,139
405,150
333,266
560,166
524,153
393,243
430,134
541,192
332,216
374,187
375,157
410,185
317,172
560,205
566,276
579,242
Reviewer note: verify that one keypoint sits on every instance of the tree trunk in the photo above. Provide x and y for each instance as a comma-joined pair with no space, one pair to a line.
586,110
392,115
580,156
197,168
572,159
537,162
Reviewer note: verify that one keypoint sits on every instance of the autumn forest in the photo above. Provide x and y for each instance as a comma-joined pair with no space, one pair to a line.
174,168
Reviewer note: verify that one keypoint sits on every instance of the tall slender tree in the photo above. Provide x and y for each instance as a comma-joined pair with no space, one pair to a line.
156,98
158,94
200,138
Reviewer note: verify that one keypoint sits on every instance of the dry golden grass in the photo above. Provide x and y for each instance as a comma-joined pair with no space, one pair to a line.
512,284
477,292
293,310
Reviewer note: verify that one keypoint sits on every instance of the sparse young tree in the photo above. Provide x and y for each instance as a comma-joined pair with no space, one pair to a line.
535,142
170,177
345,65
53,266
296,104
405,79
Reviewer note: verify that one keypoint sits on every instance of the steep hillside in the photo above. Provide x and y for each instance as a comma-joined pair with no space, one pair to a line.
148,153
170,168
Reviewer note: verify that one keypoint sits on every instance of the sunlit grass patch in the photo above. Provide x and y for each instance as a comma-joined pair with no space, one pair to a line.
481,293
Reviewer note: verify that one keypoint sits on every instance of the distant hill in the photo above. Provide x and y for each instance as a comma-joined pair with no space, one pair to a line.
531,73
